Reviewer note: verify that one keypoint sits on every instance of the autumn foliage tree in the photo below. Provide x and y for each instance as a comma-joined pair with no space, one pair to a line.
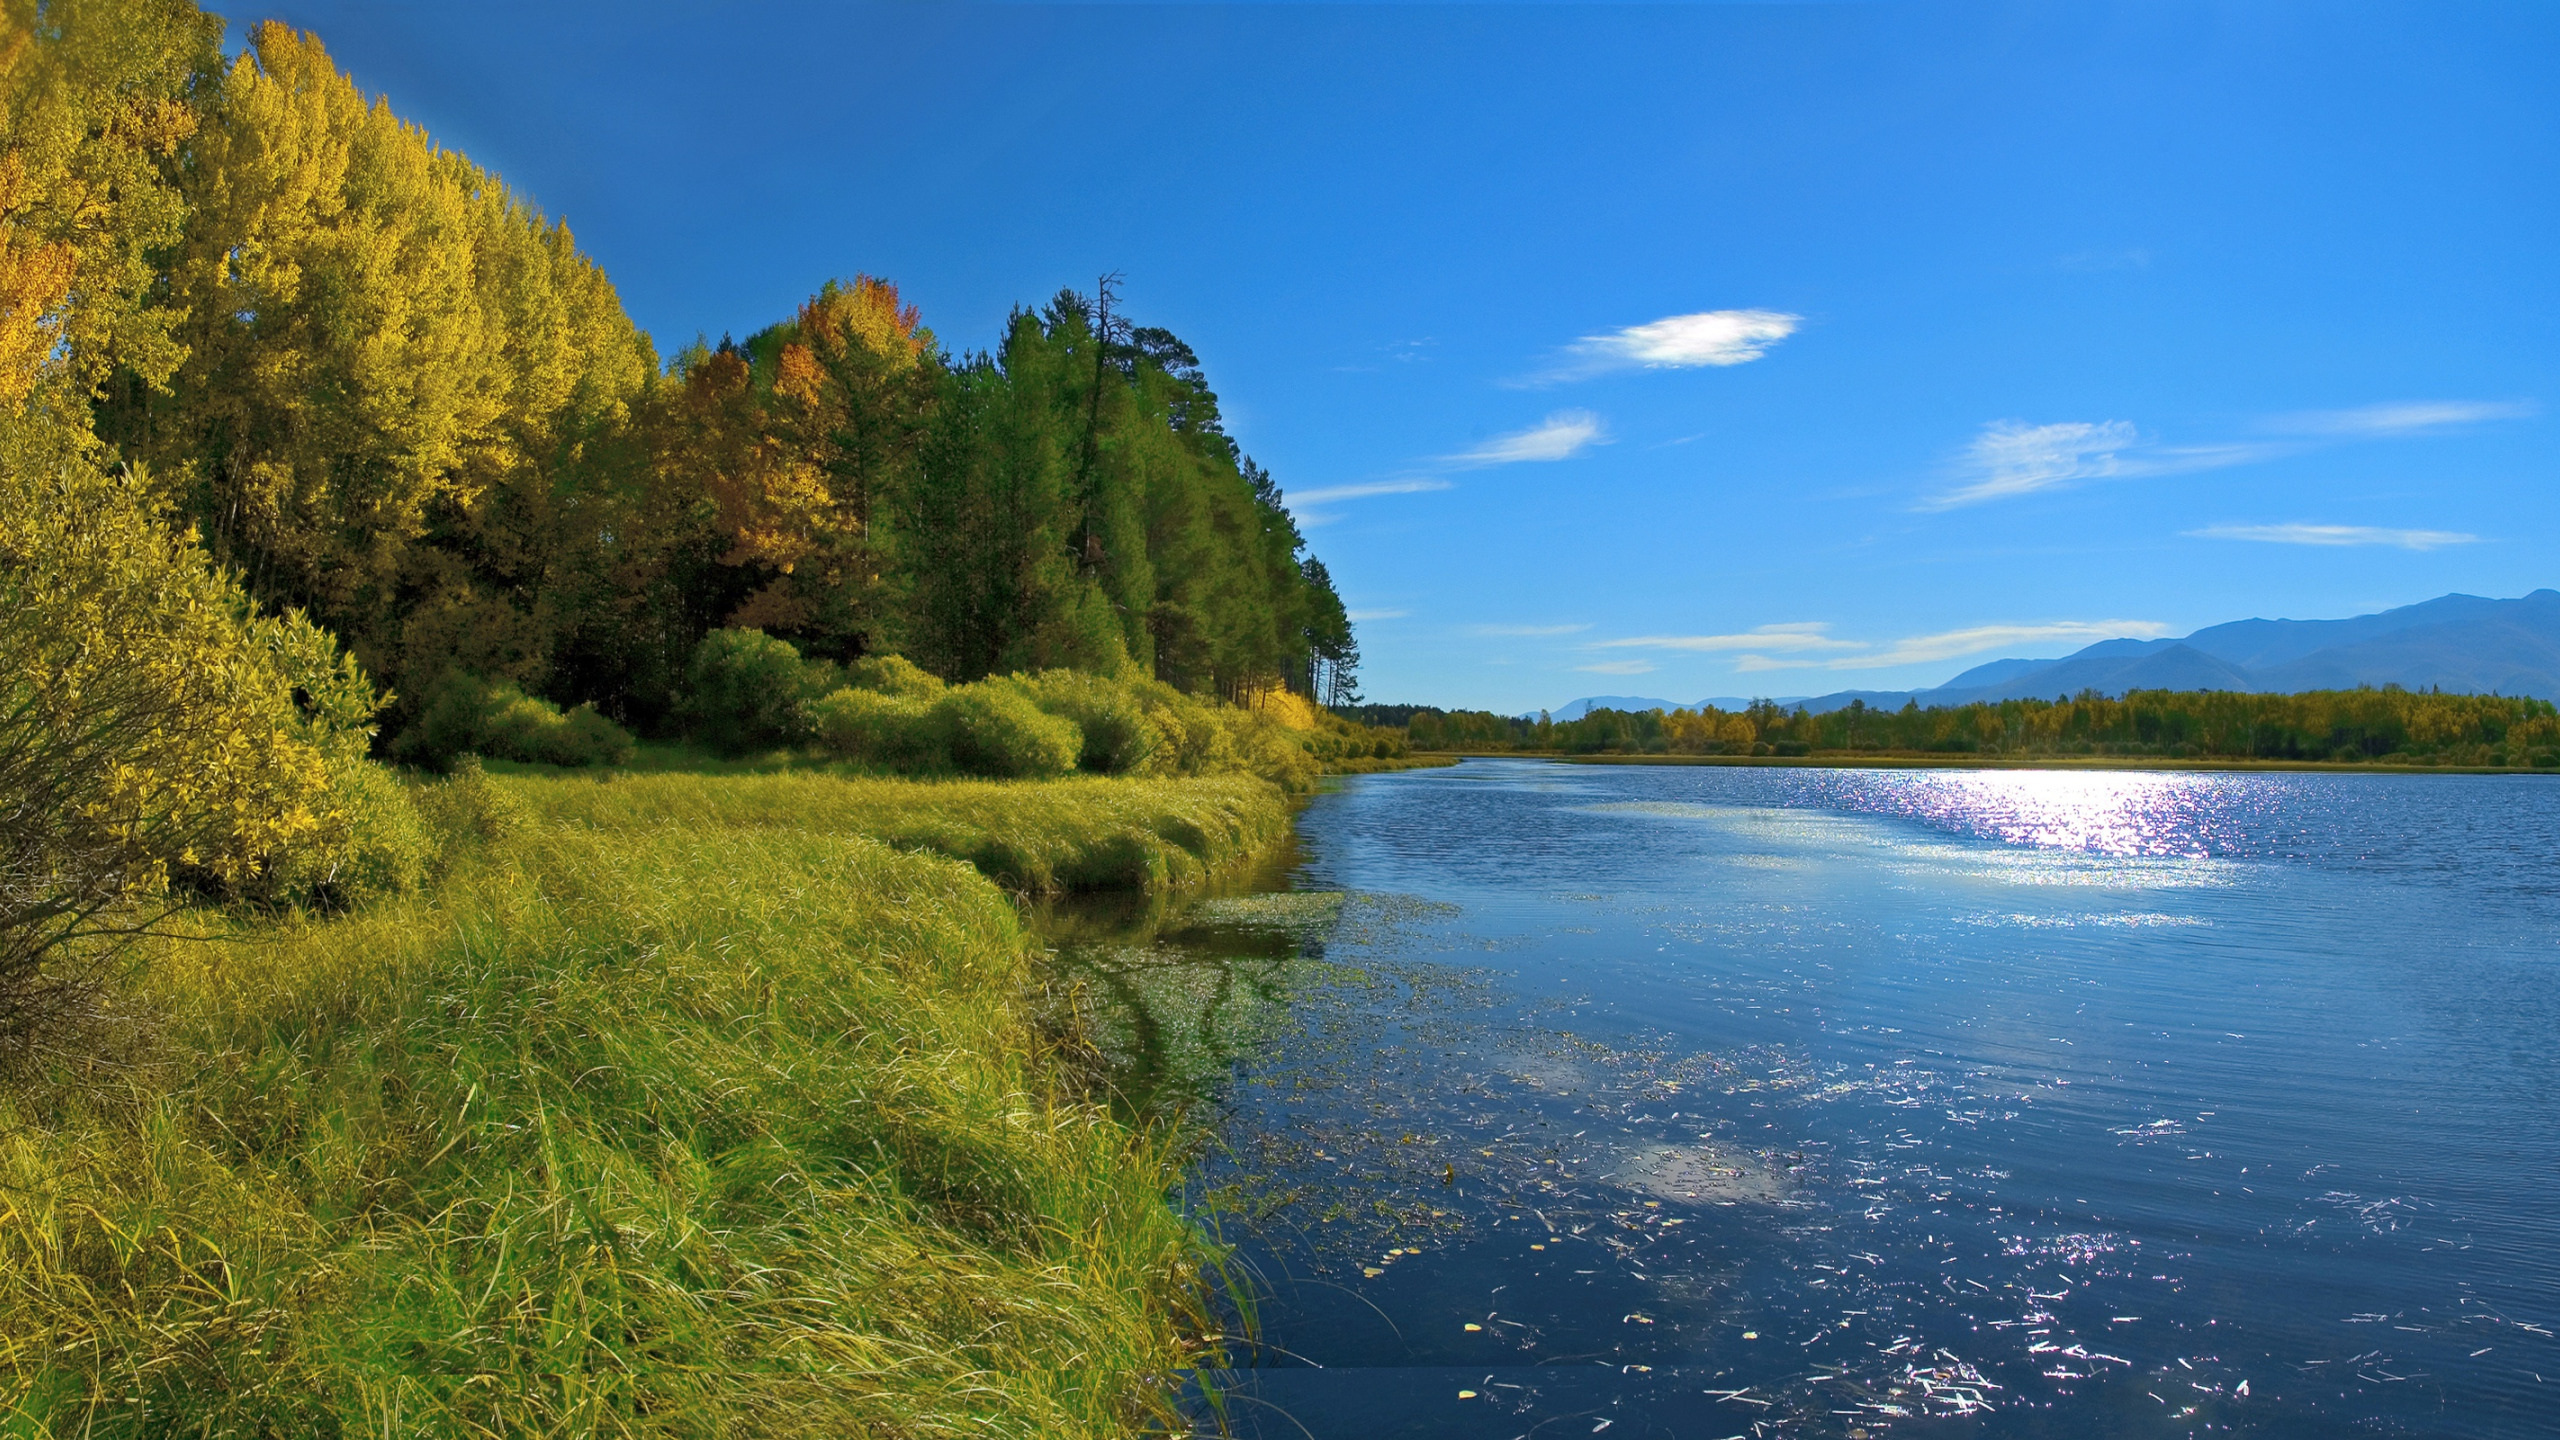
396,376
388,393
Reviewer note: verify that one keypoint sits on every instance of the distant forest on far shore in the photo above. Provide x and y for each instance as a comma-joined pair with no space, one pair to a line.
2364,726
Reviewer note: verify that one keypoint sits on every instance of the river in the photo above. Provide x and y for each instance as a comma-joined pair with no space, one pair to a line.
1701,1101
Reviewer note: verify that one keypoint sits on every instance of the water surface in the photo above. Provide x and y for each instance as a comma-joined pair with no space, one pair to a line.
1714,1102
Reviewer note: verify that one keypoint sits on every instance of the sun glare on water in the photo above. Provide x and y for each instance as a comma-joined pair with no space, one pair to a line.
2115,813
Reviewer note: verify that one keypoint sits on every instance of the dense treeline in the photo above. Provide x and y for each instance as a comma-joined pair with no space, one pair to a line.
2388,725
316,443
389,393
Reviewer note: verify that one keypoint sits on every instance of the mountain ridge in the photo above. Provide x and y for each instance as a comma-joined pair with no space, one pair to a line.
2456,642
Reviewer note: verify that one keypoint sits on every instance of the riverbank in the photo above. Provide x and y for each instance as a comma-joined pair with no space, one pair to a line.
678,1104
1859,760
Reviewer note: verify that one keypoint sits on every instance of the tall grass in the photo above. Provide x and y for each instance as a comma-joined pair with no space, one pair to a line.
1084,833
688,1109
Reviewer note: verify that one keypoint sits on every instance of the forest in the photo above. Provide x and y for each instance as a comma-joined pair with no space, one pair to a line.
388,394
2388,725
510,842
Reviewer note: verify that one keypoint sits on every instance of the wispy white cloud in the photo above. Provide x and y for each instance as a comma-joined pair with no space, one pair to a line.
1376,614
2298,534
1679,342
1325,494
1618,667
1525,631
1558,437
1949,644
2402,417
1805,635
2012,458
1752,664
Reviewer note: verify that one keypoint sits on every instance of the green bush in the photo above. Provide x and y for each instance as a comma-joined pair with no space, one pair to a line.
1119,739
392,845
465,810
375,844
992,728
467,715
892,675
876,728
746,690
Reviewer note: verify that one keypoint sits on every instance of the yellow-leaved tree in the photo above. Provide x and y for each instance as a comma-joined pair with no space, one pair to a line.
94,103
154,732
396,377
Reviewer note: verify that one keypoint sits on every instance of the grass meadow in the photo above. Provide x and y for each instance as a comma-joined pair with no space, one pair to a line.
676,1105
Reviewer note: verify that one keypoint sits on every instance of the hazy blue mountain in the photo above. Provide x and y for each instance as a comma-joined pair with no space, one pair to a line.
2512,649
1993,673
2457,642
1576,709
1875,699
2466,643
2109,672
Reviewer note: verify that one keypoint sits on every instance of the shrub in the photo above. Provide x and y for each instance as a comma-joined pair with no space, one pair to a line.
149,725
467,715
466,811
386,846
992,728
876,728
893,675
746,690
1119,739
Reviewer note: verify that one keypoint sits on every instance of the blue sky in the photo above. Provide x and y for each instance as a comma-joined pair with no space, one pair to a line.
1676,351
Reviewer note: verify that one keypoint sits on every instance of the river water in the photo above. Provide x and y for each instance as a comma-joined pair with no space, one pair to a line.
1696,1101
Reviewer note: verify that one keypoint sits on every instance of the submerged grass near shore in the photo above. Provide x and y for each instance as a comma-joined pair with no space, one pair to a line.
679,1106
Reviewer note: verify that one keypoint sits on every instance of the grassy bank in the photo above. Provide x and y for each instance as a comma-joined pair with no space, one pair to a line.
1087,833
679,1106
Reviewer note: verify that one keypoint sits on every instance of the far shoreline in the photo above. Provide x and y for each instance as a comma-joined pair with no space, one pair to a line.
1840,761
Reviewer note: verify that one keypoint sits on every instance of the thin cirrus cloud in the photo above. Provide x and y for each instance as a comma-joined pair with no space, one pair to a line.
1524,632
2012,458
1800,646
1806,635
1324,494
1560,436
1619,667
2401,417
2298,534
1367,615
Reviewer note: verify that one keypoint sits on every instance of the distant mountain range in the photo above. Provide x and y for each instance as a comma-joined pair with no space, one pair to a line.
2461,643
